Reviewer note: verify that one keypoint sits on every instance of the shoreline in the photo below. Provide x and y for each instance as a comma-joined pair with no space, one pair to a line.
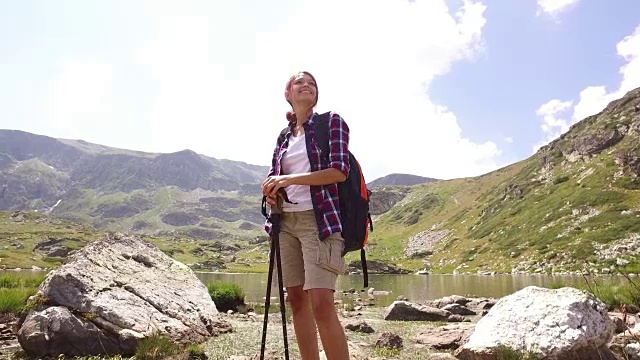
481,273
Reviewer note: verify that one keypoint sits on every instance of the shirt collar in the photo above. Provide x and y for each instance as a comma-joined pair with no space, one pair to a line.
306,124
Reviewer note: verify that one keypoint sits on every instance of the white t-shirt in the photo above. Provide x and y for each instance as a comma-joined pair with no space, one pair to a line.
294,161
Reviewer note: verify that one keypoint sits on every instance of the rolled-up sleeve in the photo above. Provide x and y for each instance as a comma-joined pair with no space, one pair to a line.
274,156
339,144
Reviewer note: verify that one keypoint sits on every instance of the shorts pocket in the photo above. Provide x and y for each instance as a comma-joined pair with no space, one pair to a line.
330,255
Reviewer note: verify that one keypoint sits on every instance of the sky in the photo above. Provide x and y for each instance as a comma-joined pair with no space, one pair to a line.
437,88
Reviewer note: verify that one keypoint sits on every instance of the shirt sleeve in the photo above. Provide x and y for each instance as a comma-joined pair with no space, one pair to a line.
272,170
339,144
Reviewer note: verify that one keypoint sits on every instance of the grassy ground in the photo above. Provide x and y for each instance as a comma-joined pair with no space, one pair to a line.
247,335
19,235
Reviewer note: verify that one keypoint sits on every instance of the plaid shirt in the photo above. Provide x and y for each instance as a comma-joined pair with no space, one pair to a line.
325,198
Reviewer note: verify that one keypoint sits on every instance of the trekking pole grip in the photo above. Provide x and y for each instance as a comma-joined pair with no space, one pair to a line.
280,196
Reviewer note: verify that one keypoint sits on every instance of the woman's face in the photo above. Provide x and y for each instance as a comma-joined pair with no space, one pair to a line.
303,90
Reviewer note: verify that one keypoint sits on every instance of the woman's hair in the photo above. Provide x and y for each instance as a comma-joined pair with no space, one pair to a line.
291,115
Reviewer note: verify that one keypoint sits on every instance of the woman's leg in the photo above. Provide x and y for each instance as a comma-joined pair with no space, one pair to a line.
293,276
332,335
303,323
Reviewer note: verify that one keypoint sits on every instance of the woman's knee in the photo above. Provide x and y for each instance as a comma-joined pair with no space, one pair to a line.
323,303
297,297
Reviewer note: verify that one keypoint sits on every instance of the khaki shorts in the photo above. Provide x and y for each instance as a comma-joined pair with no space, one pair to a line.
306,260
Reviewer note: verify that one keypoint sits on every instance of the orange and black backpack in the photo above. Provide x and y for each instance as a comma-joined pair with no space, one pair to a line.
354,198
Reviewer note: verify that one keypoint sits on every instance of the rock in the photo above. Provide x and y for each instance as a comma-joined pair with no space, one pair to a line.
375,267
444,337
406,311
420,244
558,324
594,142
112,293
51,247
457,318
633,351
441,356
458,309
383,200
361,327
389,340
629,158
6,333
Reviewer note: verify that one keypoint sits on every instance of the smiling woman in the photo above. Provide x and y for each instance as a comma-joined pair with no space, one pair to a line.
310,236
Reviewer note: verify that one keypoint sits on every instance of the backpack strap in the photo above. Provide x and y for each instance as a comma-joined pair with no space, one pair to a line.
321,131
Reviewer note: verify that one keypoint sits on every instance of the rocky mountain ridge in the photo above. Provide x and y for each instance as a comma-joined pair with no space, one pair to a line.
400,179
574,206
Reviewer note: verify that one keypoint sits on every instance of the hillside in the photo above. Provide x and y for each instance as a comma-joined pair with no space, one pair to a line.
34,240
181,193
400,179
573,205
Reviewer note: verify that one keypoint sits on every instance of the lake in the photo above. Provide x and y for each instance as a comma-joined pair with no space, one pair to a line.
414,287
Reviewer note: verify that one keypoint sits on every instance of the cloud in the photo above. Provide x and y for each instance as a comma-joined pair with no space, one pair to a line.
220,78
81,96
209,76
554,7
593,99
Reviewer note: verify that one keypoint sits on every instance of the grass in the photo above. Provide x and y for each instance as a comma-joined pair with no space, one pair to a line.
155,347
247,335
226,295
504,352
15,290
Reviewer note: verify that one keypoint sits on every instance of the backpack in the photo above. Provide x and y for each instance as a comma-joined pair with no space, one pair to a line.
354,198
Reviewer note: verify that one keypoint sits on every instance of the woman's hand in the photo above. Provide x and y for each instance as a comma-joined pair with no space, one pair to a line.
271,185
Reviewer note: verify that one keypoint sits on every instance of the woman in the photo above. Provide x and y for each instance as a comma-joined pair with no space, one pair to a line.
310,240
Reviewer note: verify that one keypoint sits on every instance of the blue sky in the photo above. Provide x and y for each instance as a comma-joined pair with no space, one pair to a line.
438,88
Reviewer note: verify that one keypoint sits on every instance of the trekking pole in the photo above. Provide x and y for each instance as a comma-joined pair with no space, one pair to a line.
276,220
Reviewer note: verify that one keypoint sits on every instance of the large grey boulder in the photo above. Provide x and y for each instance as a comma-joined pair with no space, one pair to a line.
112,293
561,324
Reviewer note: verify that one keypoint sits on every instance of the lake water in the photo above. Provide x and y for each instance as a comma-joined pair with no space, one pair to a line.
414,287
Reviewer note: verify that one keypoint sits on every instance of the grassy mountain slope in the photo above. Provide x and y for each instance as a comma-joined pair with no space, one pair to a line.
29,239
572,206
565,208
181,193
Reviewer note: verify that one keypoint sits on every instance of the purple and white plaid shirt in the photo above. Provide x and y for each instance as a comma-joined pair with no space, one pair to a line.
325,198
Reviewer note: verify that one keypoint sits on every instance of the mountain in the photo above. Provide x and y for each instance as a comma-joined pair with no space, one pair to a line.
572,206
122,190
400,179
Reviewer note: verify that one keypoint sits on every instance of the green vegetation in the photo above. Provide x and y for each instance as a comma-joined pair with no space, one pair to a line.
158,347
15,291
504,352
226,295
554,210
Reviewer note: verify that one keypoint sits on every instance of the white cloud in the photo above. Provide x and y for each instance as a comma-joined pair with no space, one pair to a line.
593,99
81,96
373,60
209,76
508,139
555,7
553,124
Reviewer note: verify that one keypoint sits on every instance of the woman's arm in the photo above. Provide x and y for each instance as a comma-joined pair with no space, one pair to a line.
338,162
339,144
